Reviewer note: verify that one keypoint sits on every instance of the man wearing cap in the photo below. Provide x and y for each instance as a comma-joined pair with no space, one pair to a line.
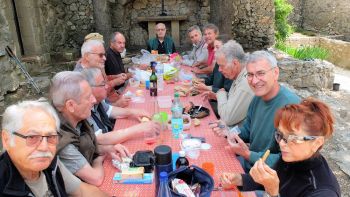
94,36
162,43
114,63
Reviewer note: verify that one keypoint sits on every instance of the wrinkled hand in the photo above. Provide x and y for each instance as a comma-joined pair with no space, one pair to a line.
240,148
201,87
197,70
118,151
263,174
208,95
150,126
231,180
219,128
123,101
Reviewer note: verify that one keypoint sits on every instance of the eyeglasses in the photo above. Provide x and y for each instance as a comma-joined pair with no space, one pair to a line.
259,75
33,140
292,138
103,84
101,55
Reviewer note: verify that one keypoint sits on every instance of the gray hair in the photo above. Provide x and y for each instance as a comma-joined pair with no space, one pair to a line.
211,26
88,45
262,55
112,39
65,85
194,27
91,74
13,116
232,50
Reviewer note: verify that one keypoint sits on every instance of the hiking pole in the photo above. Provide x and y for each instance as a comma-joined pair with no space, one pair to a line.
14,58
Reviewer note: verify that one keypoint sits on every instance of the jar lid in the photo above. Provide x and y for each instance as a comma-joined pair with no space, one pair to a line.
163,155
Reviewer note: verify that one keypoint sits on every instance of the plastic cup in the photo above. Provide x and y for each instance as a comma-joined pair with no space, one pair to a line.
233,131
209,168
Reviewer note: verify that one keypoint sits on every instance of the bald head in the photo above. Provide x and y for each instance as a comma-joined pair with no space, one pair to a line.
160,30
117,42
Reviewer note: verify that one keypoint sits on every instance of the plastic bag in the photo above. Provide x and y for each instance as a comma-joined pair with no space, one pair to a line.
145,58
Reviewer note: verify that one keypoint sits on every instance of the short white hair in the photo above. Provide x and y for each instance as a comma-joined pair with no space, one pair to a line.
232,50
88,45
262,55
91,74
65,85
13,116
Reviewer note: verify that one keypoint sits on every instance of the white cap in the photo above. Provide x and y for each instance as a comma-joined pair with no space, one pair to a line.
182,153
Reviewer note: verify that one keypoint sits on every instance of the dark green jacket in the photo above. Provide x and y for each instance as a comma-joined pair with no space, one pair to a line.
152,44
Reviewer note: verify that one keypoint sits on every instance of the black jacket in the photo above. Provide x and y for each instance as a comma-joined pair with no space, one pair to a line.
12,184
311,177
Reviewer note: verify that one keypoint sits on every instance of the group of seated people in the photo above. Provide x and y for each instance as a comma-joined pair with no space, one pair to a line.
57,148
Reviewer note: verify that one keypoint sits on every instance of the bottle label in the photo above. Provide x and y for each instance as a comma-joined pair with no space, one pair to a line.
176,127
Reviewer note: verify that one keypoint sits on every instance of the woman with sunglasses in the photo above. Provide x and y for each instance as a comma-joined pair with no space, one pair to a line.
302,171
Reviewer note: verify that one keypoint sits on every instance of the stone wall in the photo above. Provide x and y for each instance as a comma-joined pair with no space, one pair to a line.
65,23
326,17
312,75
296,17
339,51
9,75
253,23
124,17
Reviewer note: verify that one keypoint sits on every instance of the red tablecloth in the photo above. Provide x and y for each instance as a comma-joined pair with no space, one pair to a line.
224,160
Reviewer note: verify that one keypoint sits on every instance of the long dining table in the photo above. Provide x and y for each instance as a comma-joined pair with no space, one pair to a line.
224,160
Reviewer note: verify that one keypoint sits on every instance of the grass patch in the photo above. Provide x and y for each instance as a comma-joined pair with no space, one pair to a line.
303,53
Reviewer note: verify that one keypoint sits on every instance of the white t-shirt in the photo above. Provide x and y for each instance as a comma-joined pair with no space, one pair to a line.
40,188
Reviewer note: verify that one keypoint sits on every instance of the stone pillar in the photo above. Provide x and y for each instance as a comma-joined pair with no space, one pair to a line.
102,17
221,14
29,23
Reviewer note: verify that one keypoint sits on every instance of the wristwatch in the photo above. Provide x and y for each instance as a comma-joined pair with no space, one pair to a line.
268,195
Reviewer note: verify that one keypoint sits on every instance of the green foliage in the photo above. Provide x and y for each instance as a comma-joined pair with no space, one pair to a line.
303,53
282,11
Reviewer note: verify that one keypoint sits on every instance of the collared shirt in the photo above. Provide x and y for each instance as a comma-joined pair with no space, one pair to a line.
199,53
96,126
233,106
211,54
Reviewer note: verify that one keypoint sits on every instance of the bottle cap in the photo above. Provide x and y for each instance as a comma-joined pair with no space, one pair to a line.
163,175
176,94
163,155
182,153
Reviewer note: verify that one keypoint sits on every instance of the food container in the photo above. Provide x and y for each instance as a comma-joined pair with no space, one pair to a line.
187,122
192,147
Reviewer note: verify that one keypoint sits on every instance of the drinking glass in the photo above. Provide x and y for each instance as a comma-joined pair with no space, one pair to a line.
230,135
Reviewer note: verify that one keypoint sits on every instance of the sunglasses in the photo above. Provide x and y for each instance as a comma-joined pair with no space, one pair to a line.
101,55
292,138
34,140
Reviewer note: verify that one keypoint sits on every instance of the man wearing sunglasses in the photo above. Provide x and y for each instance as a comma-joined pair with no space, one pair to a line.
93,54
258,127
29,166
101,112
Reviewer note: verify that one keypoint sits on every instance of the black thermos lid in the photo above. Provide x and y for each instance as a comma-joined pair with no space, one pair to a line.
163,155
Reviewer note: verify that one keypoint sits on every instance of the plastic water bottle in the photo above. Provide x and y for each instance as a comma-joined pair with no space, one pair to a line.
164,190
176,117
159,73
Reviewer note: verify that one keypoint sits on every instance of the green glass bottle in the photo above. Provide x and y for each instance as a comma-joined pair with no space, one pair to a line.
153,82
